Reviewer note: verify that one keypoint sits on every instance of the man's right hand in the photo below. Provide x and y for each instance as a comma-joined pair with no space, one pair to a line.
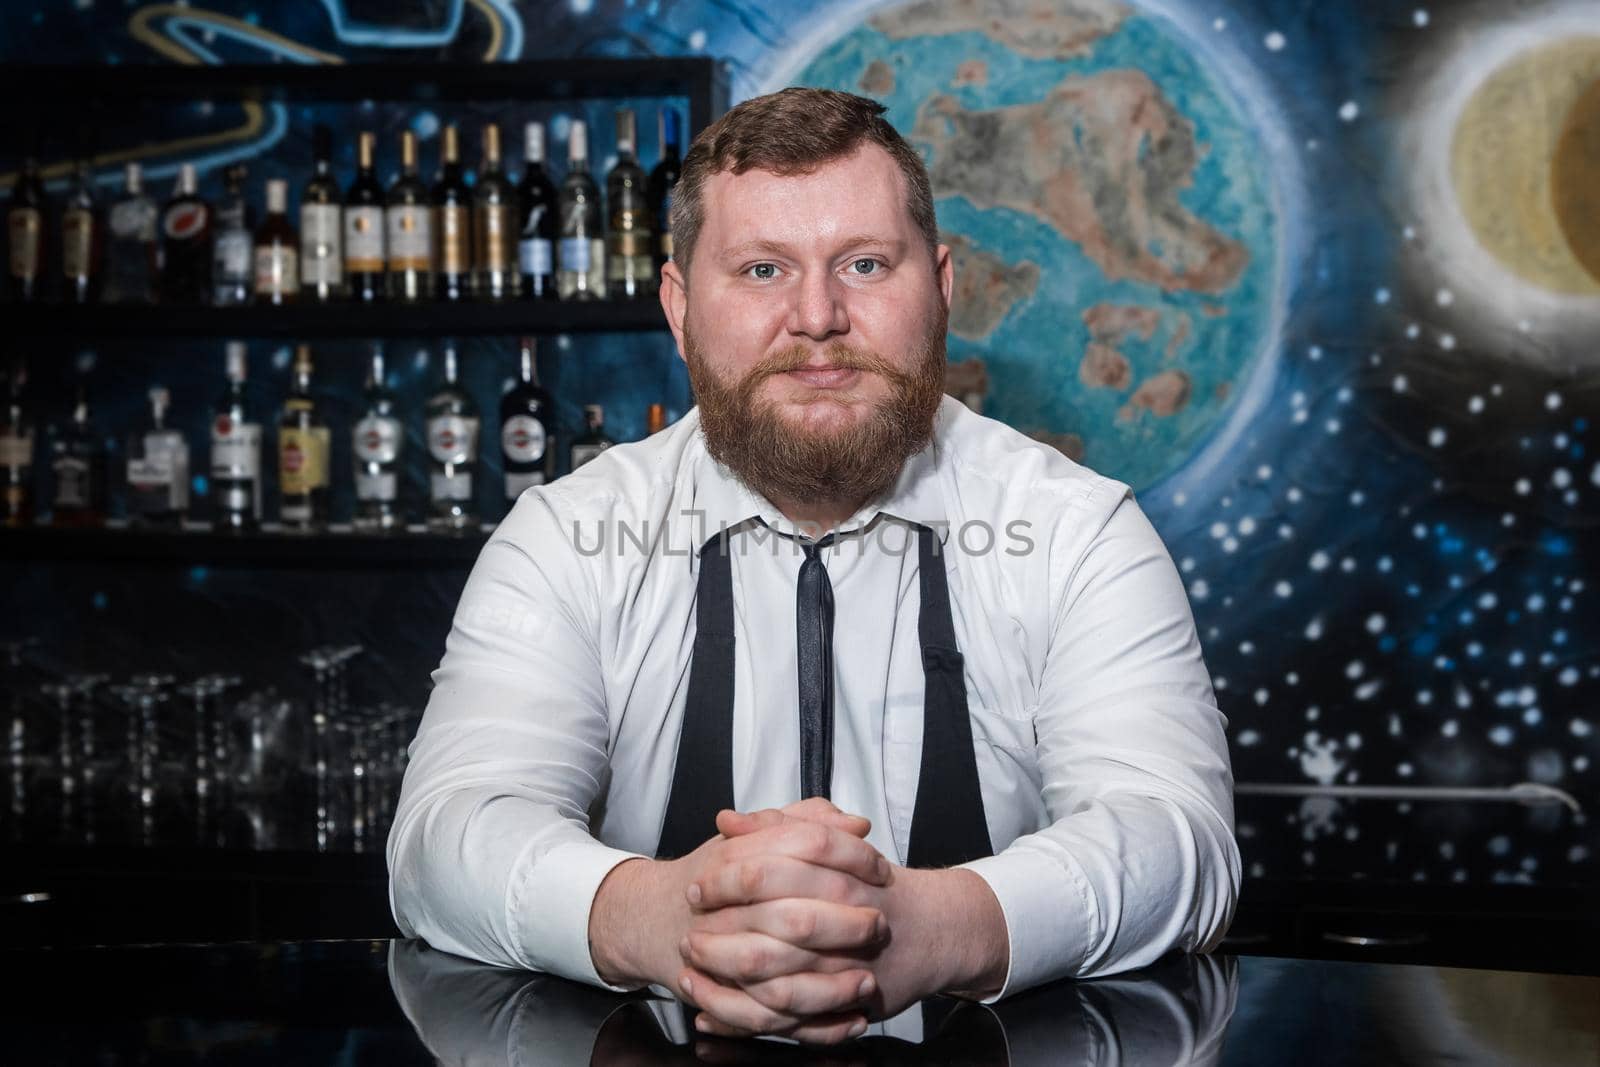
808,854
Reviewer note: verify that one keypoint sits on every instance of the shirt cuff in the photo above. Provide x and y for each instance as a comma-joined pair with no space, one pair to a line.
549,906
1052,920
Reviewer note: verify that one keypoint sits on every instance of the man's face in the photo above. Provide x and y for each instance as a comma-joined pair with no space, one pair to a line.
813,325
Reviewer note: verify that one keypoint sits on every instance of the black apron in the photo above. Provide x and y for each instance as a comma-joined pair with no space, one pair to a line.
947,825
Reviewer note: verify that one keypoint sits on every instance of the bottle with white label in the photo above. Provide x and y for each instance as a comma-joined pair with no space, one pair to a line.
537,200
581,255
594,440
363,227
376,441
630,252
78,468
527,430
233,262
277,250
158,469
409,220
452,452
235,452
321,226
303,451
131,249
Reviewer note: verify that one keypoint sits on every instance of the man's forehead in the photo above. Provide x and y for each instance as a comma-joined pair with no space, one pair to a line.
860,194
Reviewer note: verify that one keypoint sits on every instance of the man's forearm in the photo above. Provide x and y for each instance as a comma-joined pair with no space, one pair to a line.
633,905
958,931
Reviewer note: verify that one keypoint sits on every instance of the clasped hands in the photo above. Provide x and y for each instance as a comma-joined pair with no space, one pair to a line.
788,922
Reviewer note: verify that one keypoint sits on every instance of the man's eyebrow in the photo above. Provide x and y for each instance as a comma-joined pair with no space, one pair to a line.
778,248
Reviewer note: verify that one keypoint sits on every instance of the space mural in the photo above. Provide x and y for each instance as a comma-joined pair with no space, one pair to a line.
1320,281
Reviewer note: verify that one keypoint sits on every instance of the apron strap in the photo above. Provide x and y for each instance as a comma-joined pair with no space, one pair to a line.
702,780
948,825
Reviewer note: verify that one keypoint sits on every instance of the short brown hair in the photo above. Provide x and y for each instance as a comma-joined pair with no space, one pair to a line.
790,132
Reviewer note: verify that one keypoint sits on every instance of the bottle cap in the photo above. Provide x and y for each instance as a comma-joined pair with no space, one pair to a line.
187,182
578,142
533,139
133,174
277,196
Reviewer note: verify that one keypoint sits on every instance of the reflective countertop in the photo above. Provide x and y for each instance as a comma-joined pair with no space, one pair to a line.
400,1002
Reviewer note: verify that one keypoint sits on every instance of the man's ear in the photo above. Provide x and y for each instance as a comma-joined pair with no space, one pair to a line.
674,301
944,268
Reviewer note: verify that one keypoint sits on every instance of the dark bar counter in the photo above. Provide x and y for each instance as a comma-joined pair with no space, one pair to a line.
398,1002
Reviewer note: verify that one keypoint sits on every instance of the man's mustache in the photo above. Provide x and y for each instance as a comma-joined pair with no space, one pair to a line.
839,356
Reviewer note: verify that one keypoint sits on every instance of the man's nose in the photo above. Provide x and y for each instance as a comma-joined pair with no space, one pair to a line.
819,310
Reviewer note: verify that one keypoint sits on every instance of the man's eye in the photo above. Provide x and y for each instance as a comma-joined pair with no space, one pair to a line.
764,271
866,266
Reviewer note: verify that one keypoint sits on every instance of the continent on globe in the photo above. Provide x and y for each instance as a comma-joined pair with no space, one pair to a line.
971,72
986,288
968,382
1163,396
1104,159
877,79
1040,29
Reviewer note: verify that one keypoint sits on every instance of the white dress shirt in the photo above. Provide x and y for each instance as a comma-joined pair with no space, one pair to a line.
548,746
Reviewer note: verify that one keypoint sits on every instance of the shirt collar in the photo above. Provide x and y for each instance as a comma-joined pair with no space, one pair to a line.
723,502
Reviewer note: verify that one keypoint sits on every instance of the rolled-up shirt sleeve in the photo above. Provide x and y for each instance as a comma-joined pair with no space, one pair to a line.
490,855
1139,857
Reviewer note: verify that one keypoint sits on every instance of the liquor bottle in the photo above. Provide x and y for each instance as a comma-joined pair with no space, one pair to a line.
630,241
321,227
494,225
452,223
376,441
303,441
363,227
16,451
27,217
655,419
132,254
452,451
158,469
581,260
537,198
78,467
82,240
663,178
277,250
593,440
232,261
186,243
409,221
527,430
236,451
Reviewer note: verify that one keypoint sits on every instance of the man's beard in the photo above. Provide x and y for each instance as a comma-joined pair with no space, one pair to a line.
779,457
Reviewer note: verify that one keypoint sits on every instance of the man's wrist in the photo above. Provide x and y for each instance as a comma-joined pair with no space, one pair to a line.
958,917
629,909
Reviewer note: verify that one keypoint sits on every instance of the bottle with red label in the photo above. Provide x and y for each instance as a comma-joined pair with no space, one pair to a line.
452,452
27,220
82,240
186,243
235,452
376,442
527,430
303,440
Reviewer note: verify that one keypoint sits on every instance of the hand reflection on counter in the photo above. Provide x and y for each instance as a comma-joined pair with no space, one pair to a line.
1175,1012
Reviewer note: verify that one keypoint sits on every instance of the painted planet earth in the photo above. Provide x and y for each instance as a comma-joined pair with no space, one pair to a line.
1108,207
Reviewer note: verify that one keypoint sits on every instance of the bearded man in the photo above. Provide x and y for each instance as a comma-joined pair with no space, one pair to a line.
834,694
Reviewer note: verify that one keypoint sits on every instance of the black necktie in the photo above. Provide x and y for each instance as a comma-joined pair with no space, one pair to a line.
814,645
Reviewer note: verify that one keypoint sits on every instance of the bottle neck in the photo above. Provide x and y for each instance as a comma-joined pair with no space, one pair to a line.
530,372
